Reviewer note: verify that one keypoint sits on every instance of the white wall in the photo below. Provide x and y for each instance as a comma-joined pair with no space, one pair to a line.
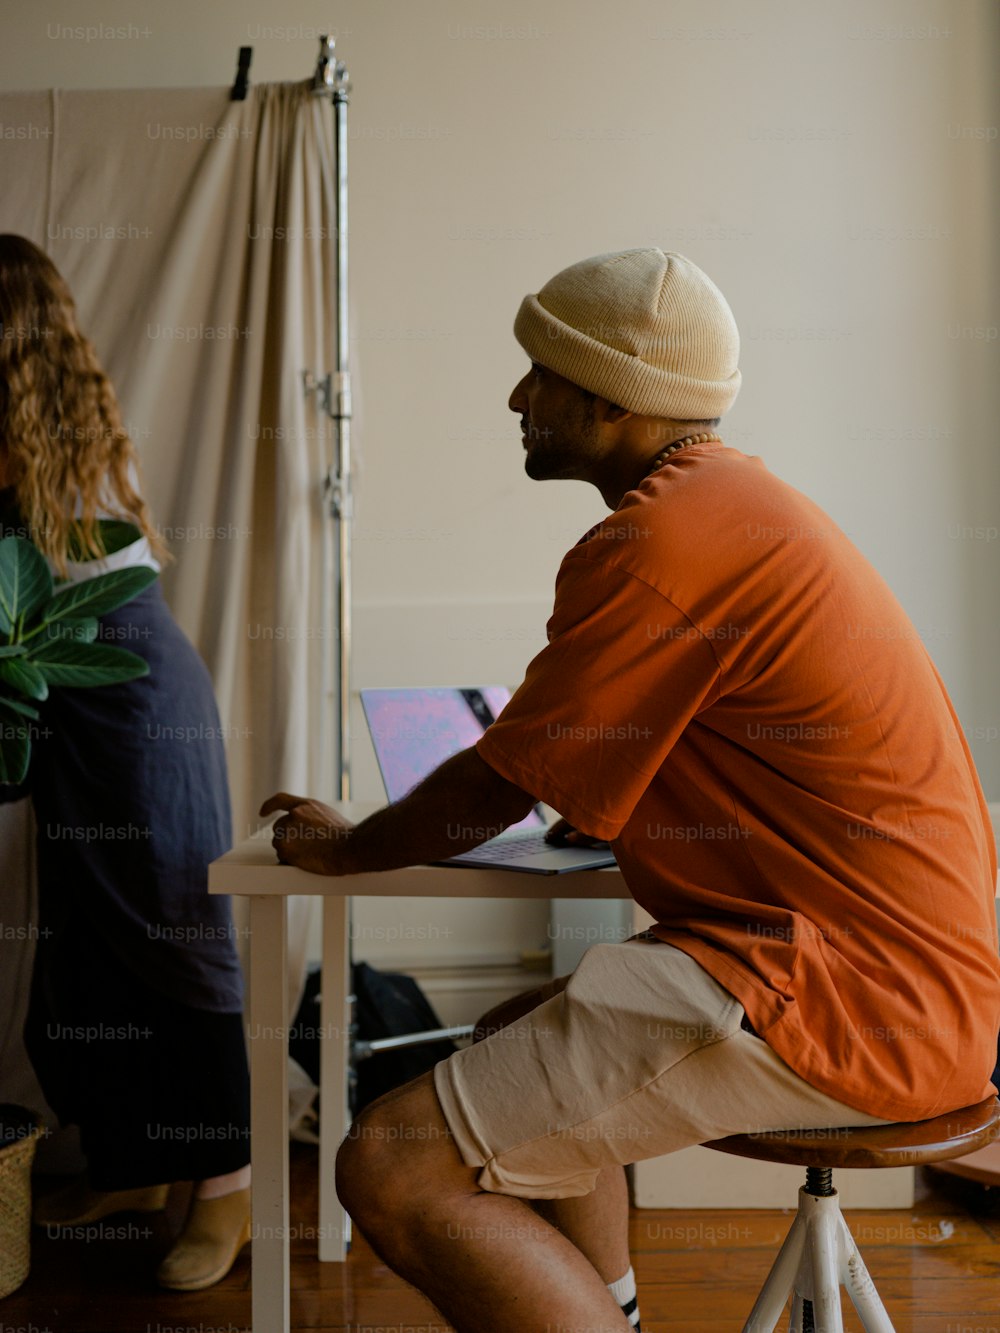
832,168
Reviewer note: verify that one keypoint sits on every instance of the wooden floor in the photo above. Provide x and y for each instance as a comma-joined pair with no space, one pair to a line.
936,1265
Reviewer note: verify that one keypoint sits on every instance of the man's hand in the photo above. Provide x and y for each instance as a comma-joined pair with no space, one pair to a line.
448,812
311,836
563,834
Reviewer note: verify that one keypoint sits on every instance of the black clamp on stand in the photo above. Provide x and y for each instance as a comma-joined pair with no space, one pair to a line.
242,82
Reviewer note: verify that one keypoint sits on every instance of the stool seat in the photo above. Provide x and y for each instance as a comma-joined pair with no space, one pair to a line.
819,1254
908,1143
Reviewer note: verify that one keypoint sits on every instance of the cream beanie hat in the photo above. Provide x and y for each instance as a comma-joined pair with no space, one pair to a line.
645,329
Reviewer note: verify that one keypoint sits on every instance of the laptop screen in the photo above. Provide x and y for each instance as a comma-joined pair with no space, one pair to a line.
414,730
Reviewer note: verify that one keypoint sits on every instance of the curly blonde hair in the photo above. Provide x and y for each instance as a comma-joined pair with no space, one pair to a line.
63,447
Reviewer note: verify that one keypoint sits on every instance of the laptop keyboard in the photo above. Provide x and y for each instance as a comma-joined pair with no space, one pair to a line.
506,849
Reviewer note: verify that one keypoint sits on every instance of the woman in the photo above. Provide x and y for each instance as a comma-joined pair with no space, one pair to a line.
135,1026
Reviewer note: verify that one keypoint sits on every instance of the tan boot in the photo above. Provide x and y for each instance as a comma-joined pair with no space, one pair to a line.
214,1233
77,1203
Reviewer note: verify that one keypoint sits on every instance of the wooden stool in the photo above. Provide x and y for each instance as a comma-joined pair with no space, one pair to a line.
819,1254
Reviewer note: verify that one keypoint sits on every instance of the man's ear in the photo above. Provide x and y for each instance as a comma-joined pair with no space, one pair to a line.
612,413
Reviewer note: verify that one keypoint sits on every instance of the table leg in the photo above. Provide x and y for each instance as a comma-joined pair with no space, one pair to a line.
269,1112
335,985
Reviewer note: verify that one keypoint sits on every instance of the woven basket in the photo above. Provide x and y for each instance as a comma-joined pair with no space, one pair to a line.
21,1133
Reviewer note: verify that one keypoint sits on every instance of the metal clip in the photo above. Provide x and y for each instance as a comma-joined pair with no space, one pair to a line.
330,75
322,388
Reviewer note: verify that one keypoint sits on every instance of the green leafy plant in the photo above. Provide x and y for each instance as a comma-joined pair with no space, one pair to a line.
47,634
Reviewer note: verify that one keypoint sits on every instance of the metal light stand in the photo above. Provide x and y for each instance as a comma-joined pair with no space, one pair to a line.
334,399
331,79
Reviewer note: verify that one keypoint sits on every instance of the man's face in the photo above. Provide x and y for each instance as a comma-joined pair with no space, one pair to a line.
561,438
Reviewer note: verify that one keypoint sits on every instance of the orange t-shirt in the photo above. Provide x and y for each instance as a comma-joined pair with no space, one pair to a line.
732,695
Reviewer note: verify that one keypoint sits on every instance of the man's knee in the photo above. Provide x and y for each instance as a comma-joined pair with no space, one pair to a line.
397,1150
369,1164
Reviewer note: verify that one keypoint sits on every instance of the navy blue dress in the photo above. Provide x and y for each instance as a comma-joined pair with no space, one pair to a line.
135,1025
132,803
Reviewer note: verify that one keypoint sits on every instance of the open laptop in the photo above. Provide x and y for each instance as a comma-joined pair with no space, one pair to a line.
415,730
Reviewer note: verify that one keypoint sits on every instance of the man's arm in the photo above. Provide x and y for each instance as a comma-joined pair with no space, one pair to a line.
461,804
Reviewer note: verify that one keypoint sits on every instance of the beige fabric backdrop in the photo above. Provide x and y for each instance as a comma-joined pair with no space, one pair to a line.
197,236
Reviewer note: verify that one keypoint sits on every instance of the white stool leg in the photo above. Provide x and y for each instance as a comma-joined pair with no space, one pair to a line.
860,1287
773,1298
818,1255
824,1253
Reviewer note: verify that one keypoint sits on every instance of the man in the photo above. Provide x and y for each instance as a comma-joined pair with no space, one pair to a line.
731,696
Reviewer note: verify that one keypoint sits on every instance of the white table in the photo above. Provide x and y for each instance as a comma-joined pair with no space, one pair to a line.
252,869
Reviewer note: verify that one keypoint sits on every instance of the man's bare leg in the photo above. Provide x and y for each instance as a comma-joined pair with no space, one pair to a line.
596,1223
488,1262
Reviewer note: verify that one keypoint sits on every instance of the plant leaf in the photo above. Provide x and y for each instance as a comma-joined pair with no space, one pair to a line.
15,752
77,631
113,533
25,676
18,706
64,662
25,581
98,596
13,650
116,534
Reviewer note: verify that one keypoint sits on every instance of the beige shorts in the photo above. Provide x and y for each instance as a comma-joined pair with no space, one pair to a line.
640,1052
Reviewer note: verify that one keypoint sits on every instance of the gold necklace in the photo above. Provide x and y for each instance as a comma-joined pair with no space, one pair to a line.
664,454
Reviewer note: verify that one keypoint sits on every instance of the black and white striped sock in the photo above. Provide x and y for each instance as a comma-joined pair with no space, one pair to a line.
627,1297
